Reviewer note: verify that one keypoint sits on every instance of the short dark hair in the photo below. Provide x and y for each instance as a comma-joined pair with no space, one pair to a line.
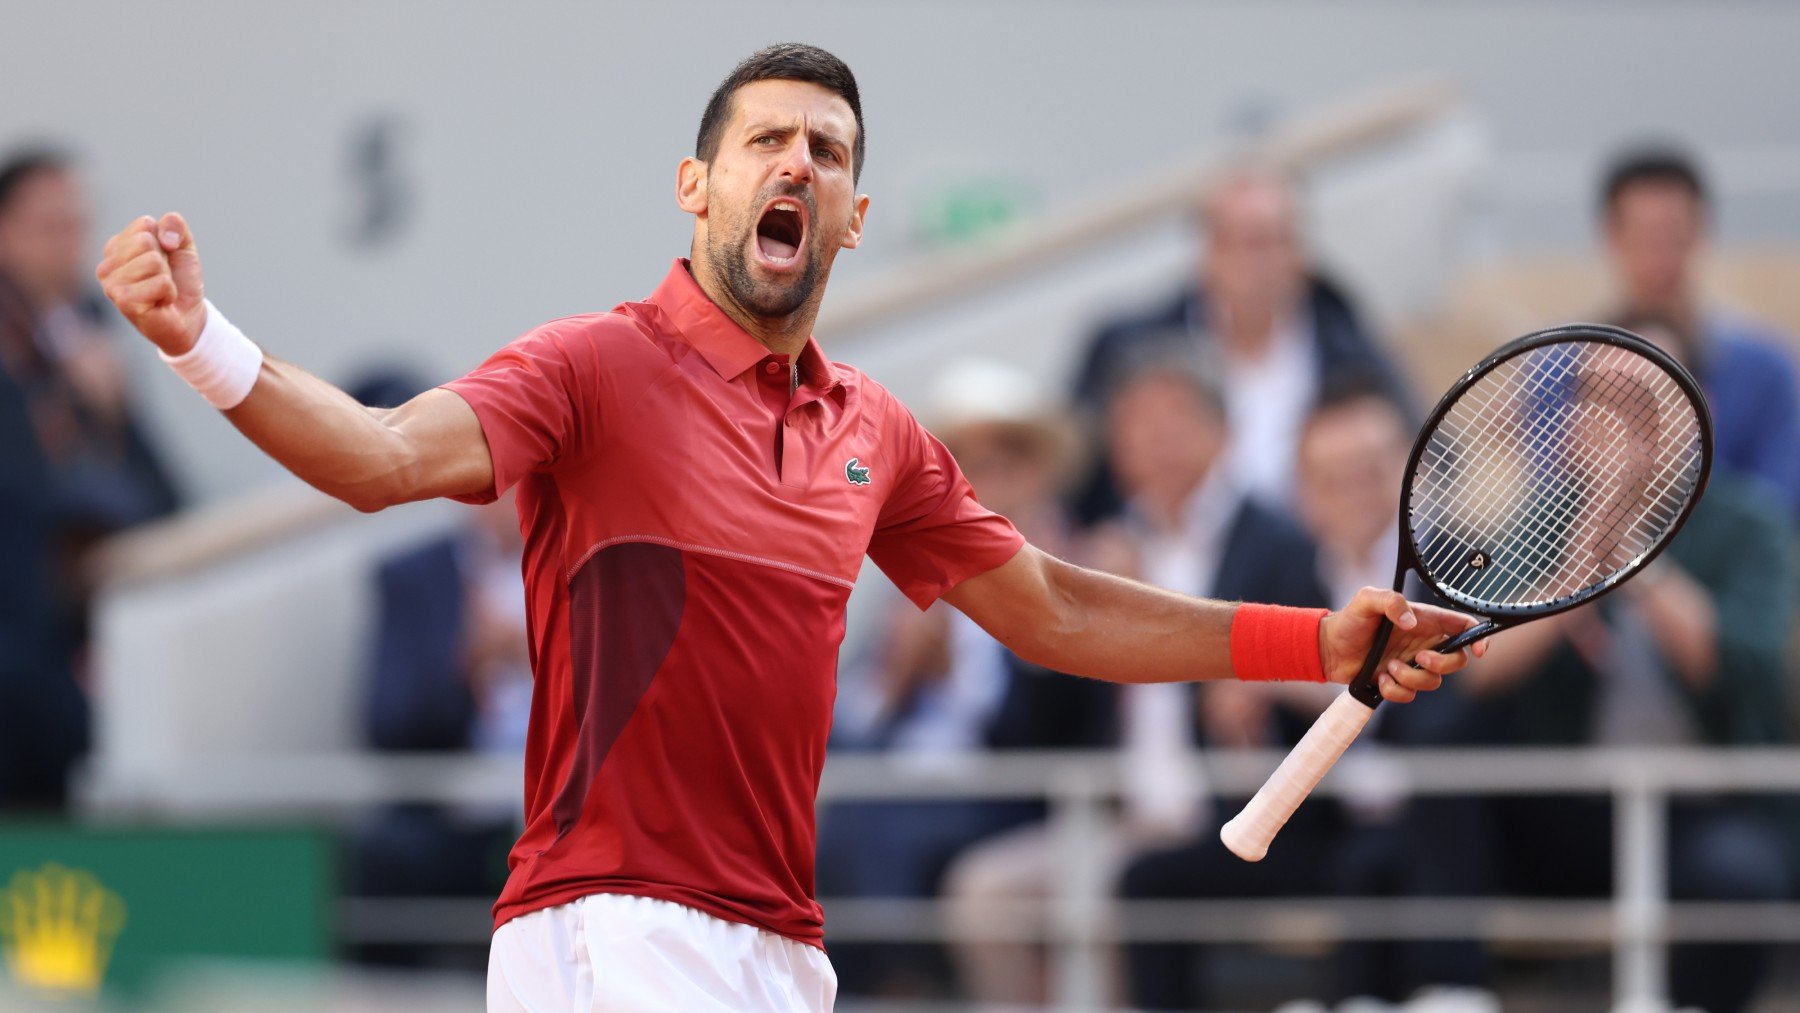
784,61
1651,163
1340,387
1166,355
1357,385
22,165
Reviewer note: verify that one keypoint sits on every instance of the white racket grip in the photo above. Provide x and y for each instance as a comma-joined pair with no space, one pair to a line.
1249,833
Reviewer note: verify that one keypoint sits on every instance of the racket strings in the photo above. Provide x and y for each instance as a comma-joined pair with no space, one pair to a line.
1599,519
1491,426
1511,562
1616,520
1536,555
1552,473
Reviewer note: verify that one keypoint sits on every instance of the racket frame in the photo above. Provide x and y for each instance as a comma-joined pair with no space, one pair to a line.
1365,688
1249,834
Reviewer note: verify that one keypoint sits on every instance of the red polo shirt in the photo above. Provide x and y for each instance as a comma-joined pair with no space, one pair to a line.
692,531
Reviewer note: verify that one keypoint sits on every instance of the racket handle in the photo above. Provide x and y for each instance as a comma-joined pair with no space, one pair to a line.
1249,833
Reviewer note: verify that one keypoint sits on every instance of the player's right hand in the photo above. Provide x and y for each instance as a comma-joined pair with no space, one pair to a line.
1410,666
151,272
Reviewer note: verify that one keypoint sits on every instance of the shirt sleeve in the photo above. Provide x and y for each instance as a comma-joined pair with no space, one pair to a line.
932,534
525,397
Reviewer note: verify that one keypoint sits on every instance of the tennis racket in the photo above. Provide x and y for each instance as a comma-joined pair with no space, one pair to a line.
1552,472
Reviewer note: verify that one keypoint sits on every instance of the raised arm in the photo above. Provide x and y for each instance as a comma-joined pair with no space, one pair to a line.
369,458
1082,622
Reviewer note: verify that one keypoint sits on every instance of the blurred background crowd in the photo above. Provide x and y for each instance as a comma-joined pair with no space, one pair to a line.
191,647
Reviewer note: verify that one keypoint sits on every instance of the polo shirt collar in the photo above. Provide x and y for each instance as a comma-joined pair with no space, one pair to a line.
815,368
728,348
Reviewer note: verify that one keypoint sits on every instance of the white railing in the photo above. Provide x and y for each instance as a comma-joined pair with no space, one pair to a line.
1639,922
1081,919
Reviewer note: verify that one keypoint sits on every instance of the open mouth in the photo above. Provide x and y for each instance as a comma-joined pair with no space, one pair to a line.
780,231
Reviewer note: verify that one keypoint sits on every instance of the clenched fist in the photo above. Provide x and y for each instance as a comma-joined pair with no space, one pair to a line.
151,272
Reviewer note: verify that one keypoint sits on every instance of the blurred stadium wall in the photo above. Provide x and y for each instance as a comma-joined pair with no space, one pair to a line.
422,181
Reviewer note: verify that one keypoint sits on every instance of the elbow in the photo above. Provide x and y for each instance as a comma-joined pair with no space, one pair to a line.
391,481
1034,649
366,504
1047,640
367,497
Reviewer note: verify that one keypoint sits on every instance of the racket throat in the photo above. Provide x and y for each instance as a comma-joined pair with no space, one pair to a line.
1480,631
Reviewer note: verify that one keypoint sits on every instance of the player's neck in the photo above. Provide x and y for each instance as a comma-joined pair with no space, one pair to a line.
782,335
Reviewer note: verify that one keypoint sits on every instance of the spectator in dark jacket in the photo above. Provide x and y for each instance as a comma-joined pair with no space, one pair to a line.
1655,215
107,474
448,672
1271,328
74,468
43,714
1690,652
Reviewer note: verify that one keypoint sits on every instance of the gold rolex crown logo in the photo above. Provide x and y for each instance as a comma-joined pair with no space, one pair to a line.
57,927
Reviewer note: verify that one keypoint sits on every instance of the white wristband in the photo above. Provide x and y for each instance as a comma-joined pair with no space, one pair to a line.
222,365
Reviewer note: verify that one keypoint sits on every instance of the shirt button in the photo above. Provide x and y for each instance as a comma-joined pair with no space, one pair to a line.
772,368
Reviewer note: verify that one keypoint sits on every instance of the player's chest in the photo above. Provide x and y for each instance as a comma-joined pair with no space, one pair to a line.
752,468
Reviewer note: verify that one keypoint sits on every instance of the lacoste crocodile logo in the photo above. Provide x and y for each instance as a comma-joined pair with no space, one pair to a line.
856,472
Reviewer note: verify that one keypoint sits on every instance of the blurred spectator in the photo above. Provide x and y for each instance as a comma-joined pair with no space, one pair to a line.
1655,214
75,468
1350,462
109,477
1690,652
1272,329
43,714
1189,525
937,687
1352,459
449,672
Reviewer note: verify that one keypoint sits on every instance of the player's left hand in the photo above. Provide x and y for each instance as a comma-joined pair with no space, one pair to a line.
1346,635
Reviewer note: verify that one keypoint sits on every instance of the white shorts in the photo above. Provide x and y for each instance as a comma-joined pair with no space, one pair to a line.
611,952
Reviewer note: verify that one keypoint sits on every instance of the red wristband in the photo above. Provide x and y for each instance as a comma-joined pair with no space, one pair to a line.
1274,643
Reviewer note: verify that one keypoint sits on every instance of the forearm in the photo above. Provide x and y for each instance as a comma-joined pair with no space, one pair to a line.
1069,619
327,439
1111,628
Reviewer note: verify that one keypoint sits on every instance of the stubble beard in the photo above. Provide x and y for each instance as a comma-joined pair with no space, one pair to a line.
766,300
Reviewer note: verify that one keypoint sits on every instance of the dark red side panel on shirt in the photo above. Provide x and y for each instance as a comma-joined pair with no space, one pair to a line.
624,608
706,794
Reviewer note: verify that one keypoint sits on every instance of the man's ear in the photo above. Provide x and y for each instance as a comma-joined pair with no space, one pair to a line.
690,186
858,212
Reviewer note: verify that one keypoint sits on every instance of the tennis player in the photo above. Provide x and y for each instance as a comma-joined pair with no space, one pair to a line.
697,487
